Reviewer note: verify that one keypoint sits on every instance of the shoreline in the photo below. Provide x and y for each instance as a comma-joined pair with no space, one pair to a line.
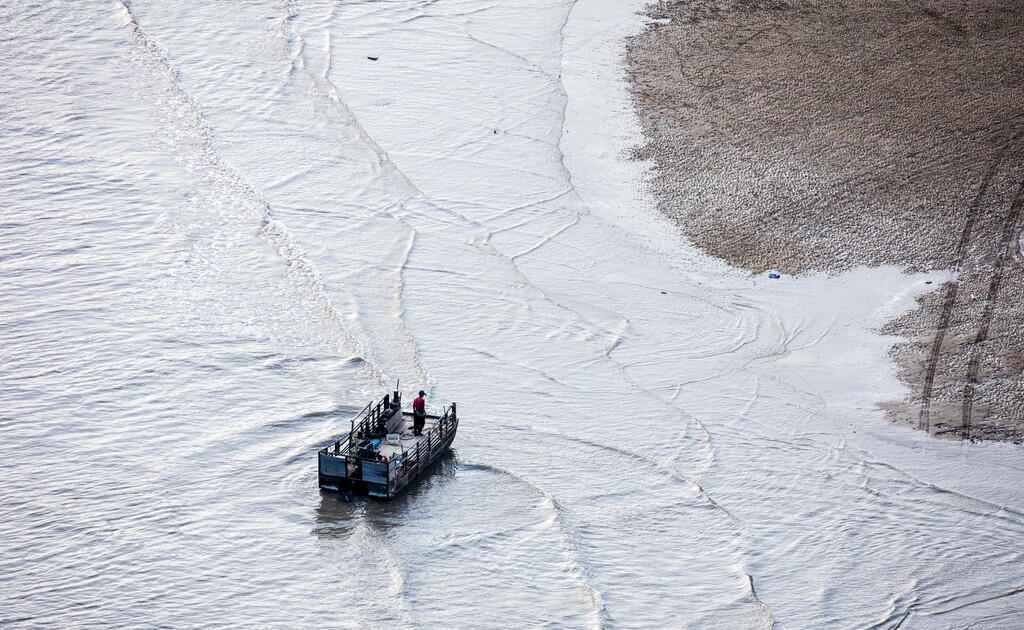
820,137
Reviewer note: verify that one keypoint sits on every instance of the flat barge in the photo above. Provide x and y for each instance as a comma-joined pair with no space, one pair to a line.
381,455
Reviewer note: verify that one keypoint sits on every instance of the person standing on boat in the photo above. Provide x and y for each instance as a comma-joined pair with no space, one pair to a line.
419,413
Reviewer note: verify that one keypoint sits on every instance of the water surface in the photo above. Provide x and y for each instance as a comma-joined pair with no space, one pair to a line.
226,230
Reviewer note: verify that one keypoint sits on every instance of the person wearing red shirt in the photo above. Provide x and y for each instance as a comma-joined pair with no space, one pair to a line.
419,413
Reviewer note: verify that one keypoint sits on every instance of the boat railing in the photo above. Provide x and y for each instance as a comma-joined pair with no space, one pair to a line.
428,448
372,420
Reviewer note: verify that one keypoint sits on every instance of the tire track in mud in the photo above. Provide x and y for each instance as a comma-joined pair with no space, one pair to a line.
1005,243
952,291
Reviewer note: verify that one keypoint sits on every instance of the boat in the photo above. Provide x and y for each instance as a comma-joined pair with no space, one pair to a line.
381,455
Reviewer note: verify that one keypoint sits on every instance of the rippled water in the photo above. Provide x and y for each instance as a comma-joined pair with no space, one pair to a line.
225,229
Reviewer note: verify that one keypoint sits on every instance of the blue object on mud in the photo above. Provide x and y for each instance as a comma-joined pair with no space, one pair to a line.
774,275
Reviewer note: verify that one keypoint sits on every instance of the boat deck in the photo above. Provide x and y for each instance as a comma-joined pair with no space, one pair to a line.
403,428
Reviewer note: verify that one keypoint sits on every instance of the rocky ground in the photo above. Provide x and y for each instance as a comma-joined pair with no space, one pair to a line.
824,134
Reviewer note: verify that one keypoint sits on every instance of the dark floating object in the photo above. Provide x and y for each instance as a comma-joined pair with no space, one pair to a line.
927,281
372,58
380,455
774,276
664,293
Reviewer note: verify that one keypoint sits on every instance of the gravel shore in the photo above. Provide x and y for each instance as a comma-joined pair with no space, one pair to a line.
822,135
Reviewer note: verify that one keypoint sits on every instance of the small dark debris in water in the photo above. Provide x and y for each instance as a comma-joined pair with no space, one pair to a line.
372,58
664,293
927,281
774,276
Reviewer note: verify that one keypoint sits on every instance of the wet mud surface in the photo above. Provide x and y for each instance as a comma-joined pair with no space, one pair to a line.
818,136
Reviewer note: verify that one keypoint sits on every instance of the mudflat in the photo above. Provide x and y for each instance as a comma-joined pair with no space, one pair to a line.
820,135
